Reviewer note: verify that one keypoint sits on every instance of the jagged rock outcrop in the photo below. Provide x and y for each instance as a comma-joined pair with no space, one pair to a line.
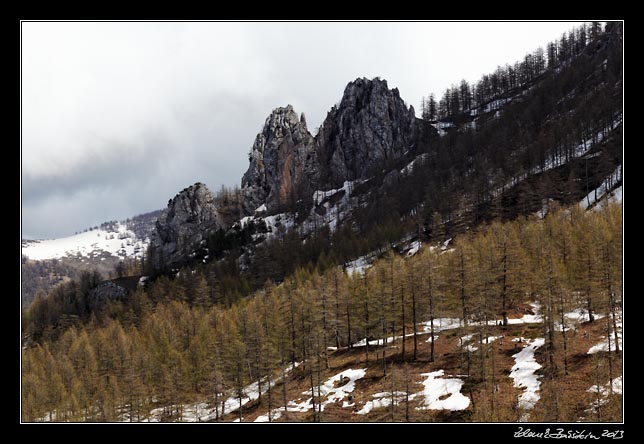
370,129
281,157
183,226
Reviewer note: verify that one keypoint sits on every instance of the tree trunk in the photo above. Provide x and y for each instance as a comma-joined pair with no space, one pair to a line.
366,319
463,297
504,294
312,393
589,301
413,312
550,325
337,312
348,315
404,331
563,332
326,352
430,294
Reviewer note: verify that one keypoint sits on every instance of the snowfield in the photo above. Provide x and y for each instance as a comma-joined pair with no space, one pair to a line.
120,243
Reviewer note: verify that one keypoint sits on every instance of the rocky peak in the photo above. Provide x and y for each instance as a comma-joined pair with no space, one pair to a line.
282,151
371,126
184,225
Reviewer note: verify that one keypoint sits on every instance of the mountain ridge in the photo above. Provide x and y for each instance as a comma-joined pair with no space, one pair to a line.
48,262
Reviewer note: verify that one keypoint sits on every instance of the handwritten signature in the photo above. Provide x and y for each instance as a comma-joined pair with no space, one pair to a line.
568,434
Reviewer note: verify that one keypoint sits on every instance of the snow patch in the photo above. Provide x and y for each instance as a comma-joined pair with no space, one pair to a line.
410,166
358,266
603,393
523,374
604,390
472,348
201,412
528,318
441,324
436,388
381,400
347,378
603,345
414,248
598,193
275,414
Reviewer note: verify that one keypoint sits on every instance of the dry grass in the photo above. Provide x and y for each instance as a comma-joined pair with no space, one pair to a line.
488,402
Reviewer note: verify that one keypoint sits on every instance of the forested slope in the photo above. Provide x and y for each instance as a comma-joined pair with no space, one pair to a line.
168,348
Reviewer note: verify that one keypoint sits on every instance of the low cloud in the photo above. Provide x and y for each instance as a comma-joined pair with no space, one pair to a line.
118,117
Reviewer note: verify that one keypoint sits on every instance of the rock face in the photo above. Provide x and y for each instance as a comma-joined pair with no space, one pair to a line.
370,130
371,127
281,157
183,226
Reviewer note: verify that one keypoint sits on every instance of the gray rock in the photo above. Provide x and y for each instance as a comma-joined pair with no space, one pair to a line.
184,226
281,157
391,179
370,130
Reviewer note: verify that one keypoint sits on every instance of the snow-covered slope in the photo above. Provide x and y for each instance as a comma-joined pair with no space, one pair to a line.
117,241
605,189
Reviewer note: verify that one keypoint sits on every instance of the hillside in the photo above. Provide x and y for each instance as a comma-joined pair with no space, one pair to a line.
461,266
524,138
502,325
48,262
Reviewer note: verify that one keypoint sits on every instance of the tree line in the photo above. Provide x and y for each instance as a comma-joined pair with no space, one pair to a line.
506,80
501,164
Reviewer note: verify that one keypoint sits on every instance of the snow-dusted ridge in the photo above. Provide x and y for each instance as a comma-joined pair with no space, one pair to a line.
119,242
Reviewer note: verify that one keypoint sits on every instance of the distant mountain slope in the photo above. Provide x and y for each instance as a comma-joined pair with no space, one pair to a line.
48,262
93,244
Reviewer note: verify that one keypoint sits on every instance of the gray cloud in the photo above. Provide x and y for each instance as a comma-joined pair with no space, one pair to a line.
118,117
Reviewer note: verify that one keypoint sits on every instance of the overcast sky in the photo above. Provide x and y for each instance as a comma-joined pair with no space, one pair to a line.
119,117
